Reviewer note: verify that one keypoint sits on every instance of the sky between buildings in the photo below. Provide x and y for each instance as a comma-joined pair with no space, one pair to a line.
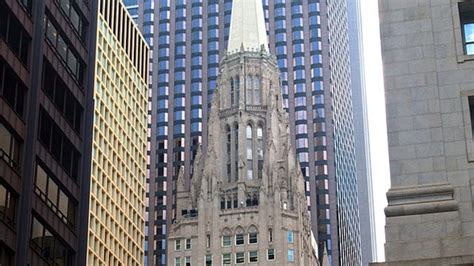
376,116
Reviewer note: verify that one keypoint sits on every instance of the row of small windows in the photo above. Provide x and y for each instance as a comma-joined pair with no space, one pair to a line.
65,51
13,33
54,196
124,28
239,239
50,247
56,142
62,97
68,7
239,258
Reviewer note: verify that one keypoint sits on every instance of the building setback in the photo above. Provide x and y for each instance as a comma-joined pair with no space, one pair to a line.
46,77
118,176
188,40
428,63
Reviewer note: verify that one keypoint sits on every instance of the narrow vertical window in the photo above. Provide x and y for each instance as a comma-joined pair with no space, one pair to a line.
256,90
236,152
232,101
237,90
248,87
208,260
229,154
471,111
249,152
260,151
290,236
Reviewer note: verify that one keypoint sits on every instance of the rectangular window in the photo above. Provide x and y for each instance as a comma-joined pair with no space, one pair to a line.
253,238
48,190
239,239
6,255
177,244
239,258
12,90
56,142
466,14
270,254
13,33
208,260
187,261
62,97
177,261
74,17
226,259
188,243
51,248
290,236
226,241
9,147
291,255
471,111
8,203
253,256
64,50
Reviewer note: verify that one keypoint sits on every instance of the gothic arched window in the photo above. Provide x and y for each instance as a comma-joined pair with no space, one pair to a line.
260,151
249,152
232,92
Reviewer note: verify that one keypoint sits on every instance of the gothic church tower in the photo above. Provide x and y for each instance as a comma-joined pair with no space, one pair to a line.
245,203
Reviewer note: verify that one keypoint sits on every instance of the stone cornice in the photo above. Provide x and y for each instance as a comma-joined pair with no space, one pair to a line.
420,200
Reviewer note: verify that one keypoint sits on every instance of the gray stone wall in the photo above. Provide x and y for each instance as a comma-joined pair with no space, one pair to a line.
427,81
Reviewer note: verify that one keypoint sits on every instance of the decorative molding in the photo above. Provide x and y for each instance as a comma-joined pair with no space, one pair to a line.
420,199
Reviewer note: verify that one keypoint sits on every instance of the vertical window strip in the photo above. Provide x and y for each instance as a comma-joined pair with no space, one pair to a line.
249,134
236,152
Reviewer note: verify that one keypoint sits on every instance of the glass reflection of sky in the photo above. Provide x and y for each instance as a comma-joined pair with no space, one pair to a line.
469,38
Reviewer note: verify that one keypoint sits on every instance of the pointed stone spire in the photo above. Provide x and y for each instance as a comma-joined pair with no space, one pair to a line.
247,26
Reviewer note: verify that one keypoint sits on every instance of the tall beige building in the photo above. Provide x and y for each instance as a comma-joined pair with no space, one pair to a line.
117,195
428,60
245,203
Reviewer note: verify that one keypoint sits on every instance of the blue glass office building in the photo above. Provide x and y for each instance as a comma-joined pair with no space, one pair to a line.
188,39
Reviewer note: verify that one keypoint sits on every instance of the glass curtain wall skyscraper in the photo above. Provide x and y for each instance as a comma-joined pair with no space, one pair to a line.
361,134
188,39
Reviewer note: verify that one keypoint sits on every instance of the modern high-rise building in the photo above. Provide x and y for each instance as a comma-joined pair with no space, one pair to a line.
428,57
361,134
188,39
118,176
46,77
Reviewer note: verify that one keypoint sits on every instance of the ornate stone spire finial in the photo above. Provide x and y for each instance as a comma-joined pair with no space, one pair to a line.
247,26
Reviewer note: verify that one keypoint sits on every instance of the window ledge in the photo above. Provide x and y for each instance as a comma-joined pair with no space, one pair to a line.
463,58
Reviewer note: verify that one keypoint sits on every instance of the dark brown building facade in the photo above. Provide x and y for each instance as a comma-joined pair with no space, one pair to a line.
46,81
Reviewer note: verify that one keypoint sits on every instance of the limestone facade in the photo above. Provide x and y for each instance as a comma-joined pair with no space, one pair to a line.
246,198
428,83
